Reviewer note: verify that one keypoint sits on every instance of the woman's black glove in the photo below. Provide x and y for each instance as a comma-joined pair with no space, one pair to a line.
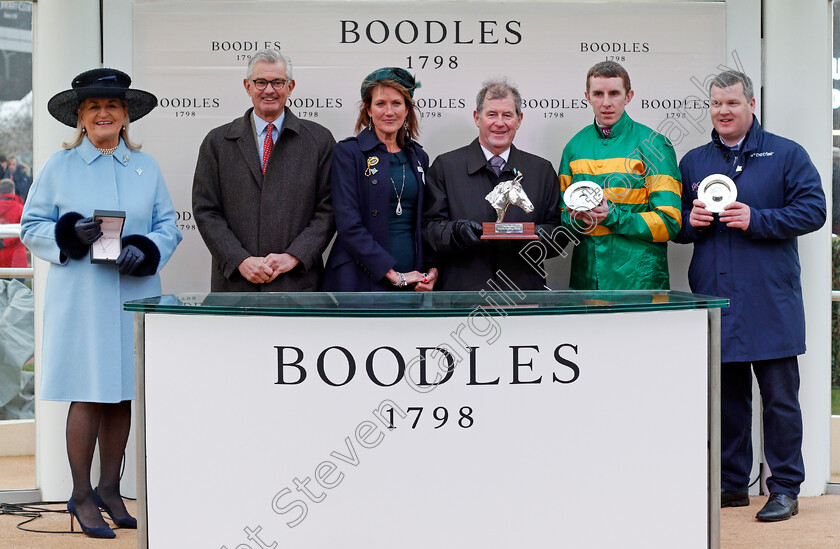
87,230
130,258
467,233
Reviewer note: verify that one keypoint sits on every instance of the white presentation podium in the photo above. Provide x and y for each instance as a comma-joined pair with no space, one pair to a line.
416,420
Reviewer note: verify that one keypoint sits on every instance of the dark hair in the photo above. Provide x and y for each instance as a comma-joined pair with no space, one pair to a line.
609,69
403,134
3,158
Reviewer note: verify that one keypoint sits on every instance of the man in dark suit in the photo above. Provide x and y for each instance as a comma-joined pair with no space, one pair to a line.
456,187
261,195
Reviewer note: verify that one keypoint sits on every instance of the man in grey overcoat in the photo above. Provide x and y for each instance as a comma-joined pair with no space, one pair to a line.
261,192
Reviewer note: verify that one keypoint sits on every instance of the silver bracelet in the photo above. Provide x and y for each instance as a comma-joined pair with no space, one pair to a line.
400,283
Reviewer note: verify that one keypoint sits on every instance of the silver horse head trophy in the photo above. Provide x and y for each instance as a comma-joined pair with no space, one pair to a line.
506,193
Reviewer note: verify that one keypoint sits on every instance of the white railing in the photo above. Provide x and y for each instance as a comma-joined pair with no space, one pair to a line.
12,230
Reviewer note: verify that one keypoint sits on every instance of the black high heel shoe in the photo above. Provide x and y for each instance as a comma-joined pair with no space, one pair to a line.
98,532
127,522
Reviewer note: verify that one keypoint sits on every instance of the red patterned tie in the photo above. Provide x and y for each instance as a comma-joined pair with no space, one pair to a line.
268,144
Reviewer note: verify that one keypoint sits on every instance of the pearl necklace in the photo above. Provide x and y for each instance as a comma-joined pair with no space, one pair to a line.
107,151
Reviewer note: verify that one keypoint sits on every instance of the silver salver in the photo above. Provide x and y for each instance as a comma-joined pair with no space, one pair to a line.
717,191
583,196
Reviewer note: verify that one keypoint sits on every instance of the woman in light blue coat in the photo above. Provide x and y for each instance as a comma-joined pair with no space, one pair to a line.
88,349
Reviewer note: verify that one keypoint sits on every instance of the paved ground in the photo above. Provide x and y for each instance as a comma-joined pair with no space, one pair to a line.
817,526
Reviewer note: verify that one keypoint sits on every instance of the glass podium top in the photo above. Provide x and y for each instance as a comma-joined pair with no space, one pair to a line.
423,303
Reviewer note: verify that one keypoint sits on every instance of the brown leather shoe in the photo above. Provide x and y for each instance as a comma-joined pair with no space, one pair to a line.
734,498
778,507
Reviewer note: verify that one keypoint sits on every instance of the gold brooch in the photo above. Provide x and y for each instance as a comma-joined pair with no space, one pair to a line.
371,162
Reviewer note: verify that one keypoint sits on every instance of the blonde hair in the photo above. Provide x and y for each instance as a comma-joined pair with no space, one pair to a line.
79,136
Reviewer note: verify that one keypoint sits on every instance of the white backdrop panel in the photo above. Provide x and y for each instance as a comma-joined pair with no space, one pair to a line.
193,54
540,465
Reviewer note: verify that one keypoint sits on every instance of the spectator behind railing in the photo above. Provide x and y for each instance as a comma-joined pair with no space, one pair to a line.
12,250
18,172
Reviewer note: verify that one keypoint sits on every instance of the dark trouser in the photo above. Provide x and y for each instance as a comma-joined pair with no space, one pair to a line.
778,381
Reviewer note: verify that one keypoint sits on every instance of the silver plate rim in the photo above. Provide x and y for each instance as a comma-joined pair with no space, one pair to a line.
569,195
707,182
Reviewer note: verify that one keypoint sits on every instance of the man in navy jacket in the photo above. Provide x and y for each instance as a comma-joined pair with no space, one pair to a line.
748,254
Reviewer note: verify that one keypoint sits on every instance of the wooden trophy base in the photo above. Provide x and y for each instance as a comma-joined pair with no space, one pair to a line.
509,231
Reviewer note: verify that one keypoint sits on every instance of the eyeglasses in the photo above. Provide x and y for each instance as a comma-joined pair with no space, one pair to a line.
262,83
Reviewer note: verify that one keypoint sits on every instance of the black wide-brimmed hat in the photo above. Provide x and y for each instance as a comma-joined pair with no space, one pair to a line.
64,106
